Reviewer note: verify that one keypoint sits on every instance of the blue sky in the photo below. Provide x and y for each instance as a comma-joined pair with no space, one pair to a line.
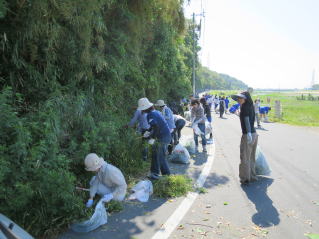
265,43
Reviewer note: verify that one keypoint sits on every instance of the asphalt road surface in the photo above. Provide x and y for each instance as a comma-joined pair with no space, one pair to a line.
283,205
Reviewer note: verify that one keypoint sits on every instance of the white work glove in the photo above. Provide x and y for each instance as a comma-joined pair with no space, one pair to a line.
89,203
107,197
249,138
147,134
151,141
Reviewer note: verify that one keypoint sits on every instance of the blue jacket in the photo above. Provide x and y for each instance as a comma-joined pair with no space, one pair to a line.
159,127
234,108
169,117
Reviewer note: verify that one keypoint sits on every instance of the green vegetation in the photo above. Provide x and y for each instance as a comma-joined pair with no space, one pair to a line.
172,186
208,80
294,111
70,73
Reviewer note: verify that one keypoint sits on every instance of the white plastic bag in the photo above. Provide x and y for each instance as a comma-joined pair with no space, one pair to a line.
261,165
180,155
188,143
187,115
208,128
142,191
197,129
98,218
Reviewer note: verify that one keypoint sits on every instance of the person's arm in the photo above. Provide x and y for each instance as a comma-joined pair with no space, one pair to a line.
247,124
93,187
134,119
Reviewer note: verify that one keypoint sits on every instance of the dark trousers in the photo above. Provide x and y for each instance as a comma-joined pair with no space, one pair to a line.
221,112
159,163
145,147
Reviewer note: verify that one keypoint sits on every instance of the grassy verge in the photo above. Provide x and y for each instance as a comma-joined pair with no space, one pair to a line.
294,111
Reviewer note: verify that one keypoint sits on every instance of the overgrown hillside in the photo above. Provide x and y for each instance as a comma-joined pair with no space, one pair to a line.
71,72
211,80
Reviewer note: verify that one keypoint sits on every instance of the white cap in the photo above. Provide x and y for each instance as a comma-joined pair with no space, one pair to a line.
144,104
92,162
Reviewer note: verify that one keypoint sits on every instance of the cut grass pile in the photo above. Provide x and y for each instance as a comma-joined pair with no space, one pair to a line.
172,186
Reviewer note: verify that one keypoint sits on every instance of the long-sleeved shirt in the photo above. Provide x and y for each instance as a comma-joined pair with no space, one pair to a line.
159,128
113,179
198,115
168,116
141,118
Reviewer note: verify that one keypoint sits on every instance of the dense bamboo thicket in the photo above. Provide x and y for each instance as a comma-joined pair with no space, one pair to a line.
70,73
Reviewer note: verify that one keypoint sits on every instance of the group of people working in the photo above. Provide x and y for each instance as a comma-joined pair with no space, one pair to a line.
161,128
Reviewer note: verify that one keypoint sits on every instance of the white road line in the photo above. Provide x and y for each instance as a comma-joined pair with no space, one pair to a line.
173,221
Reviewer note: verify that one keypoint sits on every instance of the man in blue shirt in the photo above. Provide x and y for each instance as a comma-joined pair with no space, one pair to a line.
169,117
160,132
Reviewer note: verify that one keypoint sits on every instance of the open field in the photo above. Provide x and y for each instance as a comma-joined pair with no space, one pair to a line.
294,111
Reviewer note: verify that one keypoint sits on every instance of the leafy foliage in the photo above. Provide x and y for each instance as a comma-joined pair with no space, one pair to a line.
172,186
70,72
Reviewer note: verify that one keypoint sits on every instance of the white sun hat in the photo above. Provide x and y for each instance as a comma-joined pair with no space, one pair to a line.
160,103
144,104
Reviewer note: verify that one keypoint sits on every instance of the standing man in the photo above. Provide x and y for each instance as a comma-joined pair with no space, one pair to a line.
216,102
257,105
226,104
159,137
168,116
142,126
198,117
221,107
249,139
208,117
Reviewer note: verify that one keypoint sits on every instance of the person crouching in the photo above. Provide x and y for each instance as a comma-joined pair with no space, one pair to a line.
109,181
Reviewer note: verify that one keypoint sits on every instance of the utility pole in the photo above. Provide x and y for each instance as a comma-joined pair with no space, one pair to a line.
194,55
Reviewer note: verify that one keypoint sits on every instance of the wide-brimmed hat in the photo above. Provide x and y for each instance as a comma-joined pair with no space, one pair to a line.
93,162
144,104
160,103
237,96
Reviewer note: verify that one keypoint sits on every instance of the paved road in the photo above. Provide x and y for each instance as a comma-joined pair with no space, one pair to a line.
285,205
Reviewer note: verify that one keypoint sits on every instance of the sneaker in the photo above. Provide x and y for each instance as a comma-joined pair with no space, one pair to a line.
209,141
153,176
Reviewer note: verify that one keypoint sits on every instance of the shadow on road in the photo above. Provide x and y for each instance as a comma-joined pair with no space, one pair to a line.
121,225
215,180
267,215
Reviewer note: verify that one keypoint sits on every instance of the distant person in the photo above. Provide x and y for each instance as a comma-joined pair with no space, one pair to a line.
264,110
216,102
257,113
249,138
234,109
208,115
198,117
222,107
226,104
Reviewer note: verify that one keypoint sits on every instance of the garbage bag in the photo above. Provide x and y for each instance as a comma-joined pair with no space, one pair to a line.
208,128
188,143
261,165
98,218
180,155
142,191
187,115
197,129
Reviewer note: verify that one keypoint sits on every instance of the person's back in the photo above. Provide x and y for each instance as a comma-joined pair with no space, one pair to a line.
156,119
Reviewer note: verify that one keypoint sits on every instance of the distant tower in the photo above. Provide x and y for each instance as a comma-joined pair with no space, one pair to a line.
313,81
